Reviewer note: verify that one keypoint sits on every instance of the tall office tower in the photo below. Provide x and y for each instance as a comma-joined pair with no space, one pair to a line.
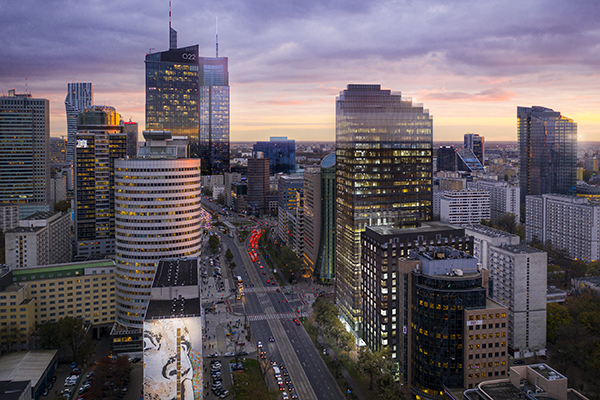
100,140
258,184
547,152
131,129
319,220
475,143
468,206
384,176
80,95
518,280
25,152
172,92
58,150
504,197
287,204
571,224
387,284
214,115
281,153
157,215
446,158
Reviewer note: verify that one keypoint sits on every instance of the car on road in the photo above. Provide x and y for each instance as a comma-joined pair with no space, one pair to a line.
243,353
264,273
285,396
259,345
213,355
296,321
268,281
229,354
271,339
277,290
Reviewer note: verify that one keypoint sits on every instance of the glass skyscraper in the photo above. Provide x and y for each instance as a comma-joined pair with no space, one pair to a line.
547,152
172,92
475,143
281,153
214,115
80,95
383,176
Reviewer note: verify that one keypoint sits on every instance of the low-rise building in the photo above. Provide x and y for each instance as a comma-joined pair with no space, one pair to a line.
465,206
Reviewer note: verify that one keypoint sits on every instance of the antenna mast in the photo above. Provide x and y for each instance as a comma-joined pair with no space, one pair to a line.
169,15
217,18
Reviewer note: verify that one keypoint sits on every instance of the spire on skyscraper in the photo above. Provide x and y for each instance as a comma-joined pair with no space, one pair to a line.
172,32
217,19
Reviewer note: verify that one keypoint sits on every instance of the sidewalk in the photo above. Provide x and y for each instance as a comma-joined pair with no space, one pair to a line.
349,381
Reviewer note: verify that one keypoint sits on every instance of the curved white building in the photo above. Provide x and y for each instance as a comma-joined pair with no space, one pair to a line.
157,216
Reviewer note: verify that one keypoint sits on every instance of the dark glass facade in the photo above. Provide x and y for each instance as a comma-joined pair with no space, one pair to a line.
325,265
281,153
214,115
383,177
258,185
446,158
475,143
547,152
437,329
172,93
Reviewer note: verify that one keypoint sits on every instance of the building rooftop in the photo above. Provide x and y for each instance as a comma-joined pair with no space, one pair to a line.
520,249
26,366
488,231
23,229
503,391
13,390
426,227
547,372
177,307
176,272
41,215
58,270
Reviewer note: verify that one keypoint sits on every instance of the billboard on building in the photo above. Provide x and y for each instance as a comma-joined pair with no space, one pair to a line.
173,359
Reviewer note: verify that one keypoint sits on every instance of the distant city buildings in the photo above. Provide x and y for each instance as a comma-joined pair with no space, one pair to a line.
9,216
25,152
100,141
289,197
384,177
58,150
80,95
468,206
281,153
131,129
570,224
475,143
547,152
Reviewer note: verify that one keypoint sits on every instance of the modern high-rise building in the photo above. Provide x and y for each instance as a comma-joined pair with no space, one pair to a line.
475,143
258,184
281,153
214,115
172,92
288,189
384,176
131,129
100,140
157,216
319,220
80,95
25,152
547,152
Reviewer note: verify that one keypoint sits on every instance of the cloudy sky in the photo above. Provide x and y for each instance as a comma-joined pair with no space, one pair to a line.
471,63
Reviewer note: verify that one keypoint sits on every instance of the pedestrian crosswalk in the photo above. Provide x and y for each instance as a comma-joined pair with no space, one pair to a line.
274,315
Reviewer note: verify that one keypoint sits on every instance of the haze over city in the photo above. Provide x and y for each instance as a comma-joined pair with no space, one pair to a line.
470,63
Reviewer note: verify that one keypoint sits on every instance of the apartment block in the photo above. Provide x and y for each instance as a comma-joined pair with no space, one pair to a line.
518,280
484,238
465,206
571,224
504,197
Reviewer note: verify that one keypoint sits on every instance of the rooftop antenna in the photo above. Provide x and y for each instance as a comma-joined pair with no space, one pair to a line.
169,14
217,18
172,32
26,85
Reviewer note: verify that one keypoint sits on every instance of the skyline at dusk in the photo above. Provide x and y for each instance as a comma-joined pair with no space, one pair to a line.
470,63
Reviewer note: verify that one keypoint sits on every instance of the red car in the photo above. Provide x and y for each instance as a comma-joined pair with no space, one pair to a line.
296,321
